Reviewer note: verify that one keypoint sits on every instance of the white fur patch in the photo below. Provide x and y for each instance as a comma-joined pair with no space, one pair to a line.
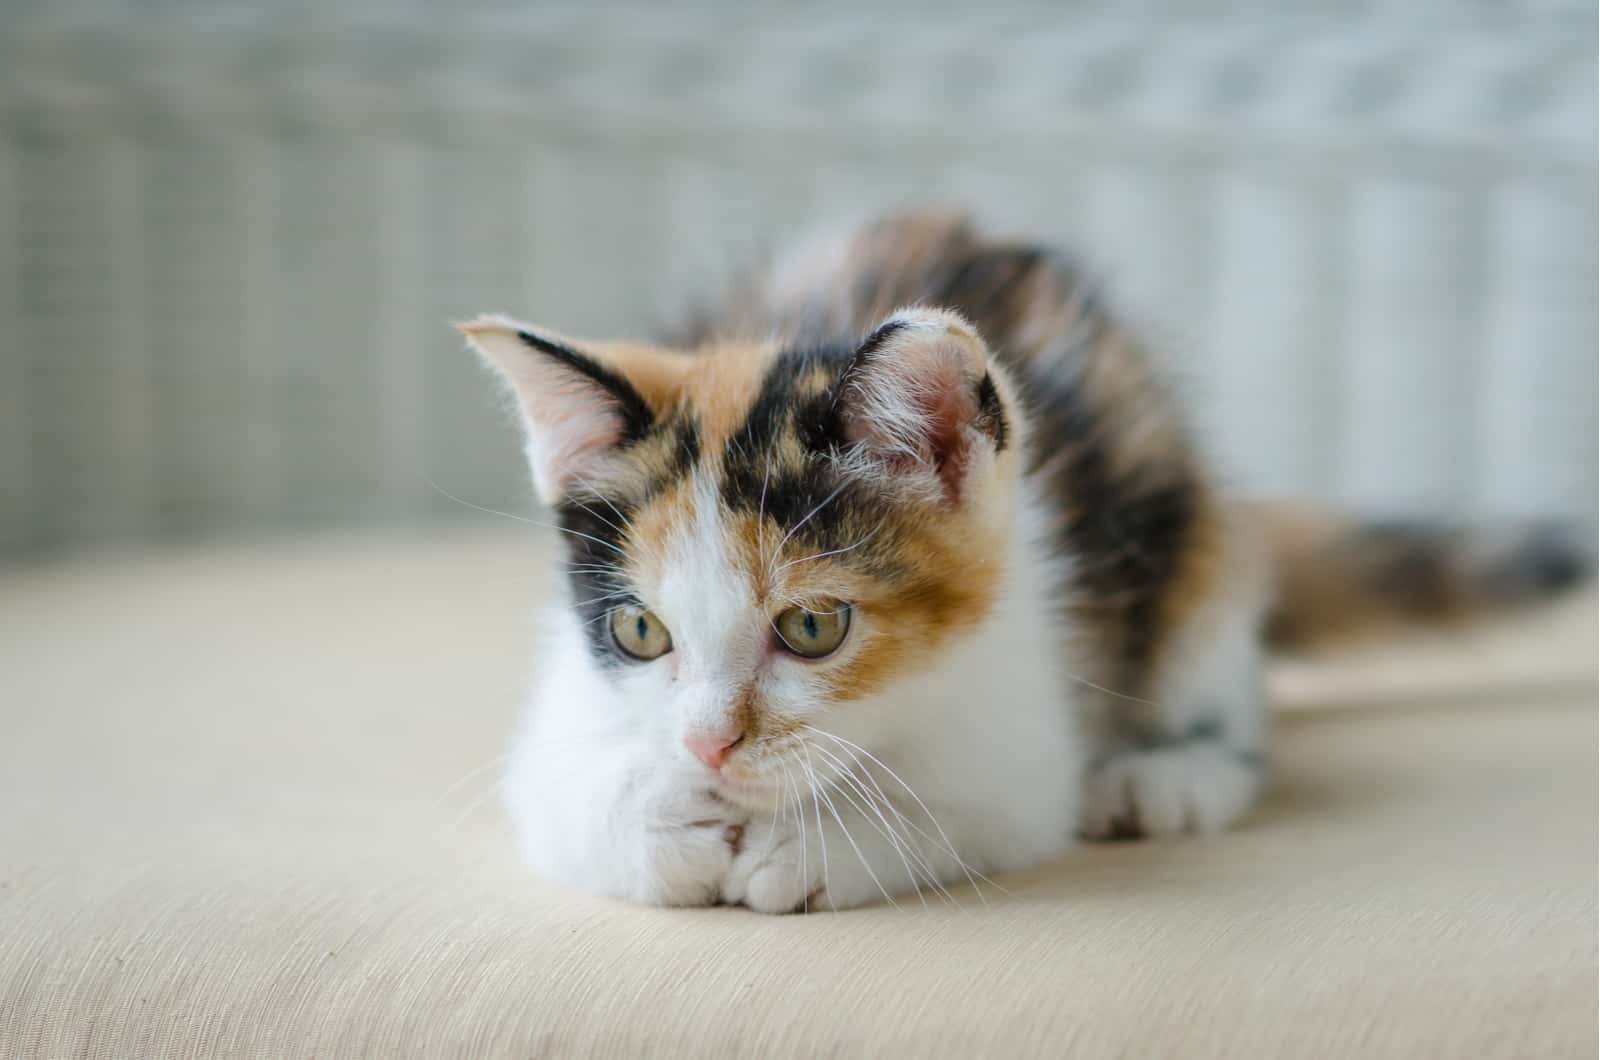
974,775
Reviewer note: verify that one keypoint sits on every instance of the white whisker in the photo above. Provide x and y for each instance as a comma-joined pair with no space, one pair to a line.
761,513
943,845
856,847
478,771
943,836
822,839
472,807
903,847
604,500
808,517
772,830
1112,692
831,552
902,844
615,594
800,827
522,519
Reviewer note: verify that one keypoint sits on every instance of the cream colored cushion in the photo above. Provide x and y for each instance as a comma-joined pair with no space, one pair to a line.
246,811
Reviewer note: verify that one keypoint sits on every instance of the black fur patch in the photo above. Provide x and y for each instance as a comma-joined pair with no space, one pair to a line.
1425,569
680,436
591,530
991,415
865,353
1126,533
780,412
1546,560
808,496
636,415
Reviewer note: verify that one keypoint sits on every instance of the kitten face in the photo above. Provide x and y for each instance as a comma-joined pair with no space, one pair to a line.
760,537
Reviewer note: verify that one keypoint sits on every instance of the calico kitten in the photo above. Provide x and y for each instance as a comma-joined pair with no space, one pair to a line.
901,569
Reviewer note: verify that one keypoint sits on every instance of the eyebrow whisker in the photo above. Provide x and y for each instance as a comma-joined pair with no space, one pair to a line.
832,552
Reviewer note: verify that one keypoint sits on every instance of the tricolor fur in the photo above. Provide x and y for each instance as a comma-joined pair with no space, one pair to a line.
1054,618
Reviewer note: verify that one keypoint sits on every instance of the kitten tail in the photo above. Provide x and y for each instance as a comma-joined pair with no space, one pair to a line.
1340,580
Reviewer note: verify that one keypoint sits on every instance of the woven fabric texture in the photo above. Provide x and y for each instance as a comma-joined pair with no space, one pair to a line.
245,811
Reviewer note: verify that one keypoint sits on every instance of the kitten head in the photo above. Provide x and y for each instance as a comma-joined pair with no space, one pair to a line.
760,537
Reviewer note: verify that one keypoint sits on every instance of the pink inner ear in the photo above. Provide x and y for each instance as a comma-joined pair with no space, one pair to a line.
949,408
577,437
937,407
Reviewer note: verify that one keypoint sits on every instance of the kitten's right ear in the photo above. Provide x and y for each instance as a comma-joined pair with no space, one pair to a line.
575,410
919,402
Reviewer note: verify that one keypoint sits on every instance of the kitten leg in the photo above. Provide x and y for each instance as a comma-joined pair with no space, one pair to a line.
683,850
623,828
1194,759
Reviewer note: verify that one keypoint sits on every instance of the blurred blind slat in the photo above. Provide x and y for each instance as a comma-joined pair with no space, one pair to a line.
1275,366
248,258
16,395
91,403
401,325
1537,410
1411,336
193,309
232,238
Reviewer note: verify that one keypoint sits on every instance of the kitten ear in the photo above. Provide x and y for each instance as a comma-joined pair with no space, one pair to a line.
918,399
575,410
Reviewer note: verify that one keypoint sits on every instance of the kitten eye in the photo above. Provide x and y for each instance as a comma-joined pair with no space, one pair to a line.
639,634
813,634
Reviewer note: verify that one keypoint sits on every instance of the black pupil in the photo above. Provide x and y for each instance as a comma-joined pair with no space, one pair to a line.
811,625
641,628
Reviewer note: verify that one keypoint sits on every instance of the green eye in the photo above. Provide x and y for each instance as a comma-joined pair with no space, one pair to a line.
813,634
639,634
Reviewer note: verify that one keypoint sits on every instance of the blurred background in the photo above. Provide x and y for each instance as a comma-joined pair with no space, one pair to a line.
232,235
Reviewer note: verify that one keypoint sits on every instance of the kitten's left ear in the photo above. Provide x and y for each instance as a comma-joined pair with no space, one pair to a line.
918,399
574,408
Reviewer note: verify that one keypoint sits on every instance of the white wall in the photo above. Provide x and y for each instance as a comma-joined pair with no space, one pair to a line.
230,241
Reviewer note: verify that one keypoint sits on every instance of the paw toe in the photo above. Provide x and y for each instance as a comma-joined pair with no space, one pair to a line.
777,889
1166,792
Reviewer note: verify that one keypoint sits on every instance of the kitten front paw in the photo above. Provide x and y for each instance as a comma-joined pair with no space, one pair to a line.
689,851
775,872
1197,787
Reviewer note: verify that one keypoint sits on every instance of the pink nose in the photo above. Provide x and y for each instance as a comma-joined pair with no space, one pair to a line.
712,748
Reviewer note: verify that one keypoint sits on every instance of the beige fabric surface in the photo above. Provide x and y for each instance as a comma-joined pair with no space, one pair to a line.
239,815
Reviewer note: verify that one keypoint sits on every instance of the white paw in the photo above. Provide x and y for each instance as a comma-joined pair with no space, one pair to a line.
688,851
774,872
1199,787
